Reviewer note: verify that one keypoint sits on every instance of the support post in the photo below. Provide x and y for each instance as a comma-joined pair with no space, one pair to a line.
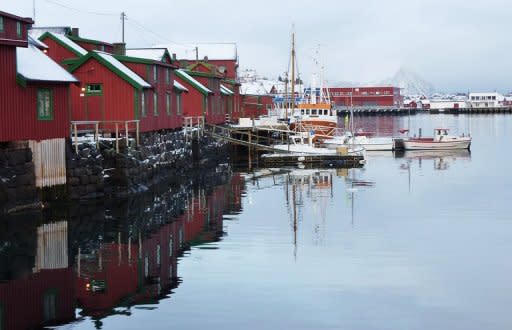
76,138
96,135
117,137
126,134
137,132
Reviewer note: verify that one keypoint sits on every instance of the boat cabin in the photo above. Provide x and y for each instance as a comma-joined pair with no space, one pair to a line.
314,110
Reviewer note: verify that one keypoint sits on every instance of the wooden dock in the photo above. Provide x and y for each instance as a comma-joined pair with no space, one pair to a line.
374,111
334,161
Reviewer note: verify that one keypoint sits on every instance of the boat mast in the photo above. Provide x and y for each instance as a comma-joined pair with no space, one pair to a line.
293,72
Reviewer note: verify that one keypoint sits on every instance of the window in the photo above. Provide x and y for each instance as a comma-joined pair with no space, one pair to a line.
170,246
49,305
1,24
44,104
155,73
18,29
205,104
101,48
179,110
158,255
168,76
168,103
94,89
155,104
143,104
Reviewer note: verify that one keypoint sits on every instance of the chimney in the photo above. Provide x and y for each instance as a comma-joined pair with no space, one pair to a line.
205,59
74,32
174,57
119,48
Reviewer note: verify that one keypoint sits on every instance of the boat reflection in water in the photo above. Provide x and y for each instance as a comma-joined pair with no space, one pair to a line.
108,260
441,158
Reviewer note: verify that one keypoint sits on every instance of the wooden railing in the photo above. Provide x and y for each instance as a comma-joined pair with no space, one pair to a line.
99,128
193,125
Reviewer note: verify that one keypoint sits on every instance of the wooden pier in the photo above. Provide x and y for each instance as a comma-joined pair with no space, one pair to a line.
374,111
335,161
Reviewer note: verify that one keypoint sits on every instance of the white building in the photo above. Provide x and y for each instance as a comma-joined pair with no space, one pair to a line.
485,100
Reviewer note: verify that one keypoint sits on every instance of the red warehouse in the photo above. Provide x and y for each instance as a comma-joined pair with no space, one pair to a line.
208,75
195,102
366,96
60,48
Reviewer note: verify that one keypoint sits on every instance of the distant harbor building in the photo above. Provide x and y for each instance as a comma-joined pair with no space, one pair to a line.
485,100
386,96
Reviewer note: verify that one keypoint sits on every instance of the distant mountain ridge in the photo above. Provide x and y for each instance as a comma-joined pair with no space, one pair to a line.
410,83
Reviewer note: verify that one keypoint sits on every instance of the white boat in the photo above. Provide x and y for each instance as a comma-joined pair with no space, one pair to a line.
440,141
301,143
367,142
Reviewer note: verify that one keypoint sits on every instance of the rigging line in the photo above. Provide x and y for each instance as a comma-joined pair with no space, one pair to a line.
143,34
158,35
80,10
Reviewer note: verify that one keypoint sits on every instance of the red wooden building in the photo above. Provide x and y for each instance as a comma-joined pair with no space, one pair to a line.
61,49
125,88
89,44
34,90
195,102
254,106
366,96
208,75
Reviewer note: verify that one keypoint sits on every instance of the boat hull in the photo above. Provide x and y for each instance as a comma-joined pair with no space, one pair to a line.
437,145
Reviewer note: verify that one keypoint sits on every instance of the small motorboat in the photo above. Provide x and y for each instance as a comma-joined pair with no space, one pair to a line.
369,143
440,141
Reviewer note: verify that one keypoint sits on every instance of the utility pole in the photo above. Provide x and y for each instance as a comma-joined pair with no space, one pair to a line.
197,54
123,18
34,10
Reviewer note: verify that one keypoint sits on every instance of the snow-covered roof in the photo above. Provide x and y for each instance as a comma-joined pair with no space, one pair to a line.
214,51
185,76
225,90
180,86
254,88
38,31
34,65
36,42
69,43
156,54
124,69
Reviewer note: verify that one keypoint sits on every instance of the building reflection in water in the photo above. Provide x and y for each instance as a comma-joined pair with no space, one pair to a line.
121,256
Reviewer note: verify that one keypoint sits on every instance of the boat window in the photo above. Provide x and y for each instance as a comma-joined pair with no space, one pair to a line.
313,112
302,112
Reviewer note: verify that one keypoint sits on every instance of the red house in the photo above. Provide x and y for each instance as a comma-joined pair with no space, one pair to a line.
366,96
61,49
34,100
254,106
195,102
208,75
89,44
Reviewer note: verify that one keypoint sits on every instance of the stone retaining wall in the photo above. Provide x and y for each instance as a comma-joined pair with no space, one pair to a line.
17,179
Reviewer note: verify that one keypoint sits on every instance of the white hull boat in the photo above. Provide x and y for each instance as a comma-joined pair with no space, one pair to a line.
302,144
368,143
440,141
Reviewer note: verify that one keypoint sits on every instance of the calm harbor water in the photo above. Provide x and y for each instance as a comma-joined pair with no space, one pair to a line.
417,240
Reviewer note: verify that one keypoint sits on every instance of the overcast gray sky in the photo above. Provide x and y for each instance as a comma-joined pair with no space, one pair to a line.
455,44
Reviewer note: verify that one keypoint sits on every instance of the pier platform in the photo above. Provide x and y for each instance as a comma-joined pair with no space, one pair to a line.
335,161
374,111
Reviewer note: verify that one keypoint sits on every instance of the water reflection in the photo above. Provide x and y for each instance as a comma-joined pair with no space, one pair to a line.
108,259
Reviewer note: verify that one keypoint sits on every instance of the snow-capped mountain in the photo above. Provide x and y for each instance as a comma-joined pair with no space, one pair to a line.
410,82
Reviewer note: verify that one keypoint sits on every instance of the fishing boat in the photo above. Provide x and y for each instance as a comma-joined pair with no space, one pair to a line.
440,141
302,143
310,110
369,143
